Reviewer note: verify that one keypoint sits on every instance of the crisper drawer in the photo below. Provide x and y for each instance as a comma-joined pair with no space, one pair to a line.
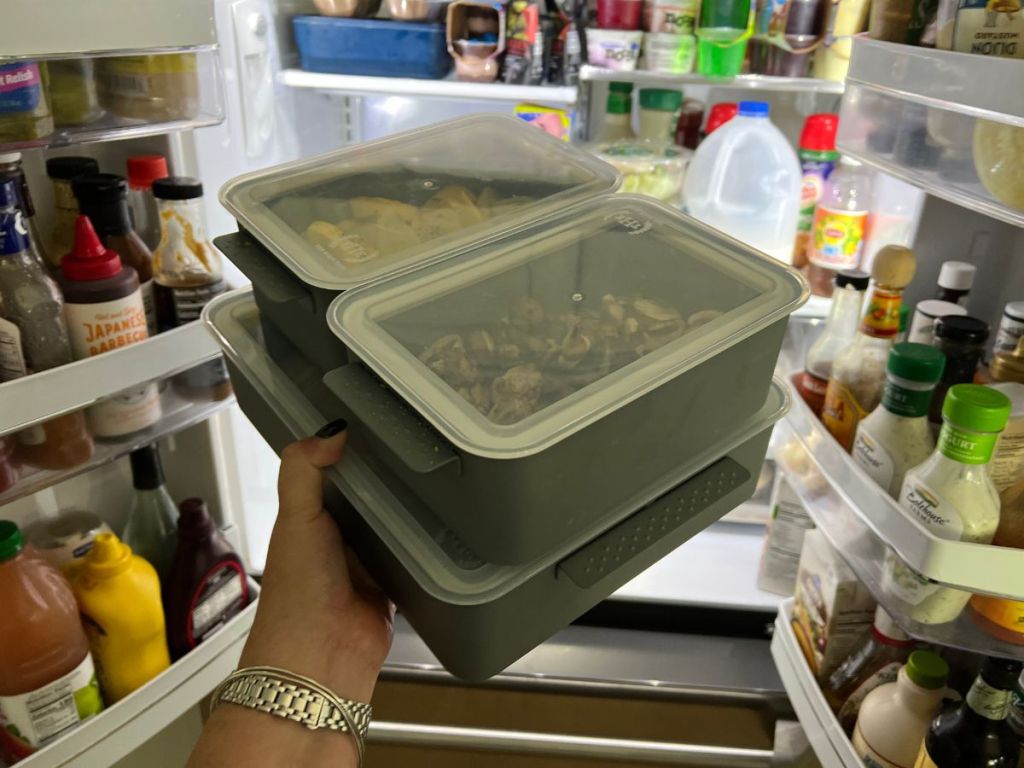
476,616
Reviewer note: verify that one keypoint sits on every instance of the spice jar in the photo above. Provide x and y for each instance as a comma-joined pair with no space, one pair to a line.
962,340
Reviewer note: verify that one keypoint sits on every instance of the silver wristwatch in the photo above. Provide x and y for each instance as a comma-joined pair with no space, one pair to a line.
295,697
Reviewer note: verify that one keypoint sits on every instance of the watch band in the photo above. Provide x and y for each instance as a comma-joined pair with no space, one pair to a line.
295,697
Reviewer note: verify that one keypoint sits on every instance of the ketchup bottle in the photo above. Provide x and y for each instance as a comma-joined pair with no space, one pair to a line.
207,585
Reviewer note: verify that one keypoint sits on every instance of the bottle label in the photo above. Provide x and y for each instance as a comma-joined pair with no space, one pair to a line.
815,172
907,401
1016,715
1007,463
179,305
989,702
930,509
841,413
222,594
32,720
105,326
1010,331
130,410
924,760
881,317
873,458
12,356
870,756
966,447
989,29
851,707
13,233
838,238
20,87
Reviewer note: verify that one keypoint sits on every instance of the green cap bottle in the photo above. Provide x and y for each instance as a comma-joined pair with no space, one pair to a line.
973,416
927,670
11,540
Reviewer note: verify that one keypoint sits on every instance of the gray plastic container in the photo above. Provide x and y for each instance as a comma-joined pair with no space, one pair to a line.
337,221
478,617
541,384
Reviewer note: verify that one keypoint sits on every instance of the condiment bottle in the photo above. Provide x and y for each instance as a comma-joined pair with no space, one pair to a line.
189,273
66,537
118,594
962,340
25,110
1006,365
61,171
103,306
44,654
952,495
858,374
720,114
876,661
896,436
691,116
840,224
922,327
618,113
976,734
818,156
11,168
143,170
1008,461
1011,327
659,111
895,717
207,585
840,328
103,197
34,332
152,525
955,281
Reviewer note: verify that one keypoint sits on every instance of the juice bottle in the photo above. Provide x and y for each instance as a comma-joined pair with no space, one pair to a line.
44,654
207,585
118,594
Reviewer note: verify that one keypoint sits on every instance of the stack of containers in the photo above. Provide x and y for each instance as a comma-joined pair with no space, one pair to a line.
515,387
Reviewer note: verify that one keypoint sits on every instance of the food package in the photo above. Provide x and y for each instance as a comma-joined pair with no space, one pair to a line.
783,540
832,609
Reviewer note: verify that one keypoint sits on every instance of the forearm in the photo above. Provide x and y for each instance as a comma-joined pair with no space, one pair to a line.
236,735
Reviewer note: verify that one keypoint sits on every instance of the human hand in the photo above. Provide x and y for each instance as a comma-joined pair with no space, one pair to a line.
320,613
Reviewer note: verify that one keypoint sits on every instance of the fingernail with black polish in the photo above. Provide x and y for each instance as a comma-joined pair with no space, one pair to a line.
332,428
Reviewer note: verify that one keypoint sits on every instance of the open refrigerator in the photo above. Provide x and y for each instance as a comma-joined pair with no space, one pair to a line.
257,109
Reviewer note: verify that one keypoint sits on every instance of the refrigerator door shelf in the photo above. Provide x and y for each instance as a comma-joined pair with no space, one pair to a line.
860,546
120,729
829,741
179,413
41,396
958,136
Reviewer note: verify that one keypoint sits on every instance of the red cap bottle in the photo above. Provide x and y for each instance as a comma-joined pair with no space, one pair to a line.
143,170
90,262
819,133
719,115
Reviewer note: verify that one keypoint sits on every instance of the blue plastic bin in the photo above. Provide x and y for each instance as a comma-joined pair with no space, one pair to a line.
376,47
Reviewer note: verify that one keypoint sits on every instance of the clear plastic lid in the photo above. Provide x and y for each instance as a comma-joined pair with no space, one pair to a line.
520,342
345,218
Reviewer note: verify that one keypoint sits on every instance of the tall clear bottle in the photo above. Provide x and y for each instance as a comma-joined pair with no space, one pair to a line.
152,526
840,328
858,375
143,170
34,338
188,273
10,168
840,224
61,171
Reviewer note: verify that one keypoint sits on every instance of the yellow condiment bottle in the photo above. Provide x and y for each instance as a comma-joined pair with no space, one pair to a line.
118,595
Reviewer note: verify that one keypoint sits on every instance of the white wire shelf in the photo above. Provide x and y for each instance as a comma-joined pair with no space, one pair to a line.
360,85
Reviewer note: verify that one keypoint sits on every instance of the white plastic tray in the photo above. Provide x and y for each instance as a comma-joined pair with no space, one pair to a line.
934,99
974,567
827,738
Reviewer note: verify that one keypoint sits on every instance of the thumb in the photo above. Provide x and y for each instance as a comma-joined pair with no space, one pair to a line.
300,483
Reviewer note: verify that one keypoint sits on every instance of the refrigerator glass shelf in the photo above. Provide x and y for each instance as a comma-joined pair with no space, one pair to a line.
864,551
178,413
940,120
86,98
119,729
828,740
643,77
973,567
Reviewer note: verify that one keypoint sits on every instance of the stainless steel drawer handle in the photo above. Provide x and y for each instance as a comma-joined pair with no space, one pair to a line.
565,745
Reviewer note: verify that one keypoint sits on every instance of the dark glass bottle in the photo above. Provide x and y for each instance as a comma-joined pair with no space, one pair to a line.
976,734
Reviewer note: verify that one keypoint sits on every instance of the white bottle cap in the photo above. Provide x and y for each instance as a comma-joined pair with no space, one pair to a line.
1015,310
886,626
957,275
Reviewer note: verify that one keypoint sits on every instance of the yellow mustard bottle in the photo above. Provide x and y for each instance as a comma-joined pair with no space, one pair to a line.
118,595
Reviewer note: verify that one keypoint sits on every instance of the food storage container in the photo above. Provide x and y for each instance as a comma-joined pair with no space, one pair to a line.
619,14
616,49
434,11
648,167
534,384
360,9
475,616
330,223
375,47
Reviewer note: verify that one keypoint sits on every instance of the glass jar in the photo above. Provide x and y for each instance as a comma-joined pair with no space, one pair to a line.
962,340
